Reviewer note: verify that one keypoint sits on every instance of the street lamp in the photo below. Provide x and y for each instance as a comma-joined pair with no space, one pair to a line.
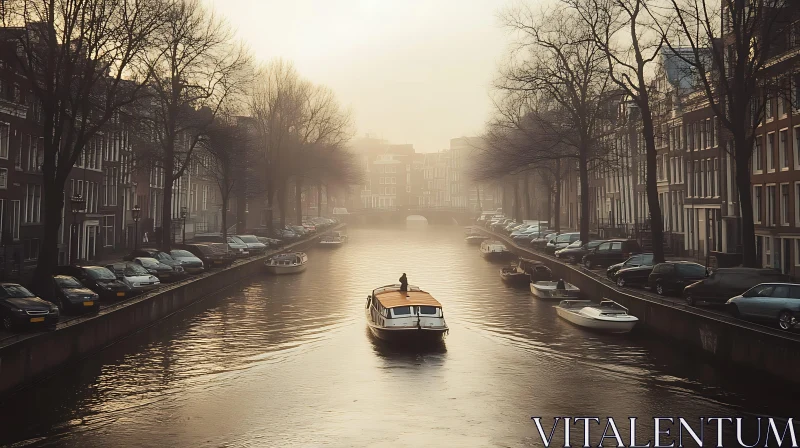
78,205
184,213
135,215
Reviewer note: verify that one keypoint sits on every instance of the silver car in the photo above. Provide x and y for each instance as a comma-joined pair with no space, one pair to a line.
769,302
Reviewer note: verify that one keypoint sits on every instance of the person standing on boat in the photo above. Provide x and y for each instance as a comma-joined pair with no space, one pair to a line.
560,284
404,284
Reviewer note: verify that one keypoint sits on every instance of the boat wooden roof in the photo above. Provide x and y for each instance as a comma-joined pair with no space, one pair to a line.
391,299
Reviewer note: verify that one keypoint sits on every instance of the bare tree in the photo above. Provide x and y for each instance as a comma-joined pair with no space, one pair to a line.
557,59
626,33
195,64
77,55
731,44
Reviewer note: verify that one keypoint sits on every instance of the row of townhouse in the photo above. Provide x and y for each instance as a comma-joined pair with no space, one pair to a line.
108,178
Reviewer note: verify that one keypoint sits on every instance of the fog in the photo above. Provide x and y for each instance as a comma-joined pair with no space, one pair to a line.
413,71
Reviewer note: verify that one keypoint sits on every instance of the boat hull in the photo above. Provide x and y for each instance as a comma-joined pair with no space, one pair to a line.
496,256
595,324
409,335
515,279
330,244
284,270
554,294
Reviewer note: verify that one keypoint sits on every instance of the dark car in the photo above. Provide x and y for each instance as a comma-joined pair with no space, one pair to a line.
724,283
561,241
207,254
611,252
20,308
98,279
163,271
632,262
673,276
539,242
72,296
635,275
575,251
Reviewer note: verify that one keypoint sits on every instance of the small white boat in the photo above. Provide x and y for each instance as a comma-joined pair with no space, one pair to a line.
340,235
413,316
331,241
608,316
494,250
288,263
549,290
476,239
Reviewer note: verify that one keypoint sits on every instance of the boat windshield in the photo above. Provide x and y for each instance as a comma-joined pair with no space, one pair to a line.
428,310
401,311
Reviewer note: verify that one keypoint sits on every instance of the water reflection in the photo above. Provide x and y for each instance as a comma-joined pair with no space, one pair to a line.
286,361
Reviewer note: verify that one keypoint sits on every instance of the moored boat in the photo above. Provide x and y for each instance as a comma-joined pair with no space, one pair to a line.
331,241
524,272
412,316
494,250
607,316
476,239
548,289
340,234
287,263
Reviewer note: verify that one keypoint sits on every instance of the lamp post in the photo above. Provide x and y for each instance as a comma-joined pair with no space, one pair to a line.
135,215
184,213
78,204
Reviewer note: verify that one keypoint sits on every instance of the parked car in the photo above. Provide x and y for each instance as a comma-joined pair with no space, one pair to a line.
161,256
775,303
563,240
134,275
98,279
724,283
191,263
611,252
72,296
205,252
632,262
154,267
575,251
234,244
633,276
270,242
673,276
20,308
539,242
254,246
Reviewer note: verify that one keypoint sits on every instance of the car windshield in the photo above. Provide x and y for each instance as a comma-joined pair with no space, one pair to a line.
577,243
235,240
647,259
692,270
181,253
17,291
133,269
164,256
101,274
563,238
67,282
149,262
249,239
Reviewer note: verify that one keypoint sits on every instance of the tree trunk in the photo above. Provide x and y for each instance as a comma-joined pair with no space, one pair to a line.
557,199
656,219
270,205
583,172
526,194
282,192
225,200
319,199
478,191
241,214
166,206
298,200
749,255
42,283
516,216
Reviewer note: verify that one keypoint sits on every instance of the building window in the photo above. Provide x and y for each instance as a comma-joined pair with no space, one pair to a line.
5,133
757,203
16,218
758,159
715,187
771,152
783,149
3,178
784,205
767,251
768,109
797,148
770,214
33,200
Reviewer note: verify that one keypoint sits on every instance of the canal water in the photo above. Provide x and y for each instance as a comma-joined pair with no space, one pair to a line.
288,361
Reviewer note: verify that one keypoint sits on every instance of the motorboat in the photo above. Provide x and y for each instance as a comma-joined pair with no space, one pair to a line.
494,250
286,263
549,289
524,272
476,239
331,241
340,235
411,316
607,316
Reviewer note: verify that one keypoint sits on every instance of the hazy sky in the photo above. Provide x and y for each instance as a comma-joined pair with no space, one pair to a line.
413,71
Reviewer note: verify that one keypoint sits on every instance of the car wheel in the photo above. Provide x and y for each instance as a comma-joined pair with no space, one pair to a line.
735,311
572,259
620,282
60,305
587,263
785,320
659,289
690,300
8,324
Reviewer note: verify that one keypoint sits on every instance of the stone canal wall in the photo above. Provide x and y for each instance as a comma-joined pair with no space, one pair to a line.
24,358
724,337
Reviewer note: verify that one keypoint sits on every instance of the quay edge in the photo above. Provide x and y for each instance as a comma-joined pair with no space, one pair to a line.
723,337
27,358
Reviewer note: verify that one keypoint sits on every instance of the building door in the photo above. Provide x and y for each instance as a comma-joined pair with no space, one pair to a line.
786,253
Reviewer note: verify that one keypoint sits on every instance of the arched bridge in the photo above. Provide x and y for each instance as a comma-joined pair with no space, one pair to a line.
398,215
